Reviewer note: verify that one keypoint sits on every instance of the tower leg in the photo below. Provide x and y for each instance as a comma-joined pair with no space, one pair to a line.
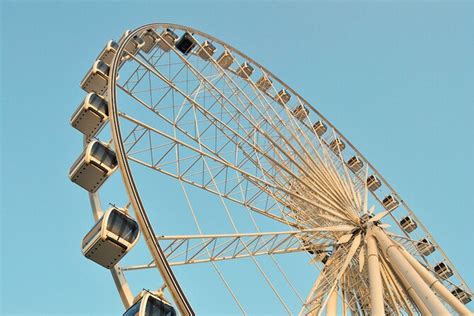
437,286
331,309
408,272
375,279
415,299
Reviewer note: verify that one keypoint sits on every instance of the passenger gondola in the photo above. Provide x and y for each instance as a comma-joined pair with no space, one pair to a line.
225,59
167,39
300,112
206,50
443,270
408,224
263,83
245,70
133,45
355,164
320,256
425,247
337,145
186,43
373,183
390,202
108,53
91,115
461,295
111,238
150,39
326,257
97,78
320,128
96,163
282,97
148,304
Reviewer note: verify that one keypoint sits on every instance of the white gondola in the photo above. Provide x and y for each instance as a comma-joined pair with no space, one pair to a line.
133,45
461,295
355,164
245,70
91,115
320,128
108,53
167,39
186,43
408,224
206,50
425,247
373,183
319,255
225,59
148,304
96,163
97,78
150,39
443,270
337,145
263,83
300,112
111,238
326,257
308,246
282,97
390,202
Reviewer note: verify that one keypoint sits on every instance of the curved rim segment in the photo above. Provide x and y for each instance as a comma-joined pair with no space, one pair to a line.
145,225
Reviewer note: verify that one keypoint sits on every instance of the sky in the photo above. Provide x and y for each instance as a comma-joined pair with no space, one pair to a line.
396,78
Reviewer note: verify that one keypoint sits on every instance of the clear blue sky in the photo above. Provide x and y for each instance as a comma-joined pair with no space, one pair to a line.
396,78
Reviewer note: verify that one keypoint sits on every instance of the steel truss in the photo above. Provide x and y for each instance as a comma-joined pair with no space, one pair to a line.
209,127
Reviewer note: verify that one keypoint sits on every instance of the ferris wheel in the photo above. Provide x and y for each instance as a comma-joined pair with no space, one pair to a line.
170,104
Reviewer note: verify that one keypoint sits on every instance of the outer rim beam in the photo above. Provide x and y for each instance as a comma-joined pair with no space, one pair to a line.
157,253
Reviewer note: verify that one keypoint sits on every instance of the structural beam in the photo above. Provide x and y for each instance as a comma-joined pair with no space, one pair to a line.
414,297
331,309
375,279
404,268
436,285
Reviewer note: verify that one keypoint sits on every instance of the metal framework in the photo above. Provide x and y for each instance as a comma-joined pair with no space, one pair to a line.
218,122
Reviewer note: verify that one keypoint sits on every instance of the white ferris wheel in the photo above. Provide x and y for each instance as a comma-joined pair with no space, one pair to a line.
170,102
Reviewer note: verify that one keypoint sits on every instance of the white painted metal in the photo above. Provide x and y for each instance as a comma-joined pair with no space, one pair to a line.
145,225
406,270
421,306
302,169
111,238
97,78
436,285
93,166
331,309
375,279
181,250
